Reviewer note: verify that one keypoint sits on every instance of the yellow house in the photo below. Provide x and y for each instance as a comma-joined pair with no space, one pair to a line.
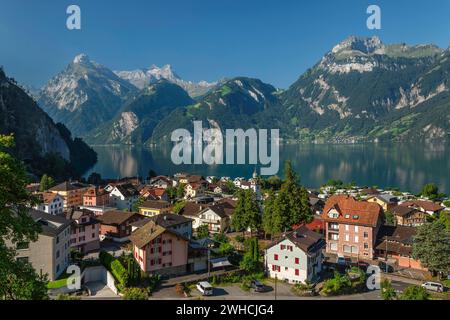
71,192
152,208
385,201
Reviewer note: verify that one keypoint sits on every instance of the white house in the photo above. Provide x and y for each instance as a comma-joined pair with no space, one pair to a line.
124,196
51,203
296,257
194,190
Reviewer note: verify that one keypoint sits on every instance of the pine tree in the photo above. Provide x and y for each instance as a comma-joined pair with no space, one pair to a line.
46,183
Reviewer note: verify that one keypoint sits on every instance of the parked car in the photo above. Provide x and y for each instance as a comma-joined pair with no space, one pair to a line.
433,286
385,267
205,288
341,261
257,286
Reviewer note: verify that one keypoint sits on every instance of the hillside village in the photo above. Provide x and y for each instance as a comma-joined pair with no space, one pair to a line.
173,231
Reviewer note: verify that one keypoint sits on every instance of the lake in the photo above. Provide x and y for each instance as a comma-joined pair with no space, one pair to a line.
406,166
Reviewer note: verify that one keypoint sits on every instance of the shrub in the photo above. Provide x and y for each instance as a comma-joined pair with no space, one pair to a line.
119,272
67,297
135,294
179,289
415,293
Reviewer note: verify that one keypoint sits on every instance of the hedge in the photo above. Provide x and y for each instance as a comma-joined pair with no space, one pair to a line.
115,267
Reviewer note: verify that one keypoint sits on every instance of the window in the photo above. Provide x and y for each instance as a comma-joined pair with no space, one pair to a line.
347,227
23,259
356,229
297,272
334,236
366,245
366,234
297,261
347,237
347,249
275,257
57,254
333,246
93,235
282,247
23,245
356,239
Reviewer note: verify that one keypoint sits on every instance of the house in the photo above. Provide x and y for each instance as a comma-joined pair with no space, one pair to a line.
395,244
296,257
153,193
194,189
71,192
85,230
408,216
425,206
50,254
175,222
351,226
370,191
251,185
161,182
317,225
96,197
124,196
316,204
192,211
386,201
117,225
160,250
51,203
152,208
98,211
217,216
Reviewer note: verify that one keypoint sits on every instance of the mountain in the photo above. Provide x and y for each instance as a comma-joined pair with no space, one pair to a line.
135,122
236,103
44,146
84,95
365,90
141,78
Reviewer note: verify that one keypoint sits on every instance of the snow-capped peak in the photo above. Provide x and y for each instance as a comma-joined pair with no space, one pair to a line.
81,58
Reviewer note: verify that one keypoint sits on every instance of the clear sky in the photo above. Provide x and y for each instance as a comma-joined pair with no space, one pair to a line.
275,41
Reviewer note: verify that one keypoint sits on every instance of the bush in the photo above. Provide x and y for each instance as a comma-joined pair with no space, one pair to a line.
135,294
116,268
337,285
67,297
415,293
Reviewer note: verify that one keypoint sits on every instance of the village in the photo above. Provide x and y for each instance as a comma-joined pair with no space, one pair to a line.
192,237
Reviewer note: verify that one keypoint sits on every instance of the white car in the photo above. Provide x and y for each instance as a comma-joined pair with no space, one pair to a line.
205,288
433,286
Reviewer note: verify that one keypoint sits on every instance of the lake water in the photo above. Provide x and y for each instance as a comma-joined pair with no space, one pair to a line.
407,166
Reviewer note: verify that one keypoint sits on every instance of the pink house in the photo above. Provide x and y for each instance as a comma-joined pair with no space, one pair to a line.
84,231
160,250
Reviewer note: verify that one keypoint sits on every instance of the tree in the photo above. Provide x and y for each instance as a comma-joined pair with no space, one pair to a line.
178,207
387,291
95,179
151,174
430,190
432,247
46,183
202,231
415,293
135,294
247,214
444,219
251,259
389,218
138,204
289,207
18,280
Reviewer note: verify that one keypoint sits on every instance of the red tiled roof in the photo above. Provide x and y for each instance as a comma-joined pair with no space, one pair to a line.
427,205
352,211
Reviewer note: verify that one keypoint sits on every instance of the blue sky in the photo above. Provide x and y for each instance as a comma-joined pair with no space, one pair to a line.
275,41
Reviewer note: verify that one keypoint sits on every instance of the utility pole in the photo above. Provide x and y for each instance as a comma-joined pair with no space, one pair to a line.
276,280
386,254
209,262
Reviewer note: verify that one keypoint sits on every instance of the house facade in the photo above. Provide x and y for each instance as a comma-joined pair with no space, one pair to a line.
85,231
96,197
152,208
160,250
50,254
71,192
51,203
117,225
385,201
296,257
123,196
217,216
409,216
395,243
428,207
351,226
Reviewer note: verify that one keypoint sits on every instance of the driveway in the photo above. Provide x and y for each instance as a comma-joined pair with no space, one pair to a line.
99,291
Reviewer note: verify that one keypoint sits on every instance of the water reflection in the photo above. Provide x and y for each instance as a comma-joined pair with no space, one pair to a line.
407,166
